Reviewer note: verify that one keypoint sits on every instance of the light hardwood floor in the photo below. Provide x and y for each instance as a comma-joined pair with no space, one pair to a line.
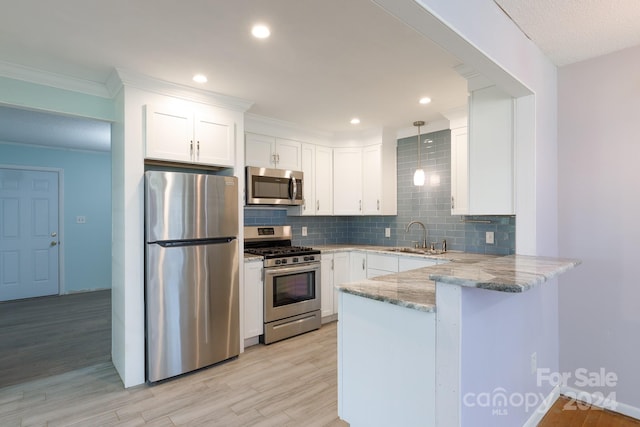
289,383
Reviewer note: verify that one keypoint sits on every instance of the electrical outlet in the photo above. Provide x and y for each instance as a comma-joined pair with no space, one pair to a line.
490,237
304,231
81,220
387,232
534,363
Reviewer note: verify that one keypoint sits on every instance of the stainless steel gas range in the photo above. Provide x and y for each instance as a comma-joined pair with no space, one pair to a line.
291,282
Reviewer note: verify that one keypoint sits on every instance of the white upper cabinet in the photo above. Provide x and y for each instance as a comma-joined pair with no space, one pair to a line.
379,190
202,135
271,152
308,183
323,180
347,181
365,177
459,171
491,153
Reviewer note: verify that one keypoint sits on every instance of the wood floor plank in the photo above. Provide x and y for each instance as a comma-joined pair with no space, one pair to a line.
568,412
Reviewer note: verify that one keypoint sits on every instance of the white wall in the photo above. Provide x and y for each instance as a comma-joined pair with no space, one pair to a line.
599,107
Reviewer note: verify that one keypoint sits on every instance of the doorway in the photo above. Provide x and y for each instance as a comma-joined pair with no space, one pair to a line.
29,226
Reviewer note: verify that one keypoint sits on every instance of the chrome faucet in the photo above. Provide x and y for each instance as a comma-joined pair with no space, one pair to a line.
424,231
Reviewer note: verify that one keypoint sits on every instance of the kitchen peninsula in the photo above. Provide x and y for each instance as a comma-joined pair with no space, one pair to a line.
406,340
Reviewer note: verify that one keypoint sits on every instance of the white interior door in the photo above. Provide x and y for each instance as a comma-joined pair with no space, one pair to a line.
29,233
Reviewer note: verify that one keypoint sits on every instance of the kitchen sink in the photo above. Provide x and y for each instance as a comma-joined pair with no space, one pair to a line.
421,251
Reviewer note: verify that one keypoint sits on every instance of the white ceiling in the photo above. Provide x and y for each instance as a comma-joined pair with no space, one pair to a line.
569,31
326,61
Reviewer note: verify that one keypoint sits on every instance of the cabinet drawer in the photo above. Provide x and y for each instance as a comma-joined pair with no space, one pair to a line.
383,262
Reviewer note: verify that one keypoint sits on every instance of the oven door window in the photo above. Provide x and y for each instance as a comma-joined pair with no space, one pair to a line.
292,288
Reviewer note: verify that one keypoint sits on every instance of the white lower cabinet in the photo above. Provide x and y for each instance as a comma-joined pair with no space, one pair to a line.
334,271
379,264
406,263
357,266
253,299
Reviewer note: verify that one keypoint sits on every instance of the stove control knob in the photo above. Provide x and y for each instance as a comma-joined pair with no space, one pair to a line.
278,262
295,260
312,258
306,258
284,261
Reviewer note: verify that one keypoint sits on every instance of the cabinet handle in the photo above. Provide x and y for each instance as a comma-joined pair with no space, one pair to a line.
378,204
360,205
317,205
191,148
273,156
363,263
453,203
198,148
332,264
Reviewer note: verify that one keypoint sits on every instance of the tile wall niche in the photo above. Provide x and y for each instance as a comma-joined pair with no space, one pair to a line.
429,204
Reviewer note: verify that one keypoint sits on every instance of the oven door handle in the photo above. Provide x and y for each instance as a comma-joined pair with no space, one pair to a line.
274,271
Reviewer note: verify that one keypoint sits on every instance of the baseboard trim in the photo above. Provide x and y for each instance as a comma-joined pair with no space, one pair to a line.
543,408
604,403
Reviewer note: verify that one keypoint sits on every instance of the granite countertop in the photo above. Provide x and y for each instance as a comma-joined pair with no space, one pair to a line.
416,288
411,289
512,273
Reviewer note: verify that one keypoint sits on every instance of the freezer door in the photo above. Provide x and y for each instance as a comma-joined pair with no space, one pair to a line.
192,307
184,206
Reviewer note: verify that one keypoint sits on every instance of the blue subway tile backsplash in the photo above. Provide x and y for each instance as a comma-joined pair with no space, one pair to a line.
429,204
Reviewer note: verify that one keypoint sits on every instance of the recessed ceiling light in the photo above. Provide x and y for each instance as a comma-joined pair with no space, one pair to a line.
260,31
355,121
425,100
200,78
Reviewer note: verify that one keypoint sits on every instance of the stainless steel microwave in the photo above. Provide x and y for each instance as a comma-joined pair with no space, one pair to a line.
267,186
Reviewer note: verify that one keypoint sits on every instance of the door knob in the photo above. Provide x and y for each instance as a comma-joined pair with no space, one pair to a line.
54,243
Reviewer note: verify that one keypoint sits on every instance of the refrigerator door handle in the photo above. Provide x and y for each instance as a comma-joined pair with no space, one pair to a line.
179,243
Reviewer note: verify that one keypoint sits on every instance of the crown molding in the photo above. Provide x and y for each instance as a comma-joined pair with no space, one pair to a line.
121,77
46,78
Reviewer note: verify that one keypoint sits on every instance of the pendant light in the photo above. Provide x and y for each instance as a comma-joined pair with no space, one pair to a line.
418,176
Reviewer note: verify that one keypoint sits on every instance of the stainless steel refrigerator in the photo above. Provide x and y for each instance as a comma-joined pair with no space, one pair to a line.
191,272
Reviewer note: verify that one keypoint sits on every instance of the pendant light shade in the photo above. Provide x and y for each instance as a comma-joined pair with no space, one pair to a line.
418,176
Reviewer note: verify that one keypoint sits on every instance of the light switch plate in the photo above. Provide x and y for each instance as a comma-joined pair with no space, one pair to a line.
304,231
81,219
387,232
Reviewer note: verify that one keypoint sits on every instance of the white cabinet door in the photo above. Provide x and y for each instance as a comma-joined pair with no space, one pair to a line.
340,275
308,164
260,150
459,172
169,133
347,184
253,300
326,284
288,154
324,181
358,266
214,139
371,185
491,152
